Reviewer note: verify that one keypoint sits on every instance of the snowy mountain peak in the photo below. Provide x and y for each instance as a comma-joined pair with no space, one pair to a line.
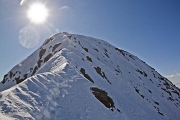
77,77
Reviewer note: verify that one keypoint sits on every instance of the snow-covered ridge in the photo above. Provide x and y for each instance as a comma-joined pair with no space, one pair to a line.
77,77
35,61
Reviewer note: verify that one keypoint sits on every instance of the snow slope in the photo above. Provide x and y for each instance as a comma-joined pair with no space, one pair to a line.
77,77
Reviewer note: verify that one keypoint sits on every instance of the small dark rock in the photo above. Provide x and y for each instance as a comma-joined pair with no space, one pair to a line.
82,70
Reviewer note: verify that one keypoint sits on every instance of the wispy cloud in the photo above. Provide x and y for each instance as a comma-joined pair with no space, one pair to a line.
64,8
173,75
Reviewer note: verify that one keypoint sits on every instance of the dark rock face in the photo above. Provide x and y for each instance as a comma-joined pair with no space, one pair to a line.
34,71
106,52
101,73
41,53
142,72
120,51
11,74
19,80
88,58
96,49
39,63
117,69
55,46
47,57
82,70
4,79
48,40
103,97
83,47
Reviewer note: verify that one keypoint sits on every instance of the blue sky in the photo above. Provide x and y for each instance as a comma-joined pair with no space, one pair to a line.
149,29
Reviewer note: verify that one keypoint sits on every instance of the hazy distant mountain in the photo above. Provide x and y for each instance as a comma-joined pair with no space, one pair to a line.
73,77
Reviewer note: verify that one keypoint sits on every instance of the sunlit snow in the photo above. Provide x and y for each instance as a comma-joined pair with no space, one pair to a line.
73,77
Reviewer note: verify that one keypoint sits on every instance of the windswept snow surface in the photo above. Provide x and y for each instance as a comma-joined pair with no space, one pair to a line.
73,77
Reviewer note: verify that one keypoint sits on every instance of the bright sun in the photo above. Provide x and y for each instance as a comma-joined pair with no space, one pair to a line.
37,13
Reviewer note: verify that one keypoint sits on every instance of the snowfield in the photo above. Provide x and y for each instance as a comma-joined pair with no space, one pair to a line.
74,77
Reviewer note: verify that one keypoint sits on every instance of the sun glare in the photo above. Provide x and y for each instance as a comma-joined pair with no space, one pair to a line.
37,13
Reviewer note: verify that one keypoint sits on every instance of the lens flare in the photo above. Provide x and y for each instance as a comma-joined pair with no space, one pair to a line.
29,37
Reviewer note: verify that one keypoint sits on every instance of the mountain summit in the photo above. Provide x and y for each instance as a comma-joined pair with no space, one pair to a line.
73,77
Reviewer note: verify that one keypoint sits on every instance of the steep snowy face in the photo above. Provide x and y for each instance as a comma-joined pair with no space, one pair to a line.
77,77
